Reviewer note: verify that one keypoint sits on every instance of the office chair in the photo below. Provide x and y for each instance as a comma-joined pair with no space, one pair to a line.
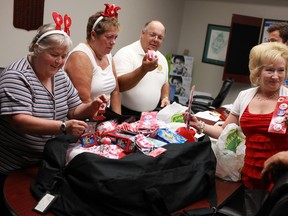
274,204
203,102
276,201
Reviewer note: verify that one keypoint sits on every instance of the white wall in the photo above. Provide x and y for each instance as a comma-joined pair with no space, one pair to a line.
186,22
198,14
133,15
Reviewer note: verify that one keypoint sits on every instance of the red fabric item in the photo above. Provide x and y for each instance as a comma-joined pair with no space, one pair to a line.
28,14
260,145
188,134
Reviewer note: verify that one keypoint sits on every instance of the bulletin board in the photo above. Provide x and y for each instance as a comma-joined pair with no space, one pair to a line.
28,14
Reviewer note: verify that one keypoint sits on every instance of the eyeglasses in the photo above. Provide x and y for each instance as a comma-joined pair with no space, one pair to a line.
156,36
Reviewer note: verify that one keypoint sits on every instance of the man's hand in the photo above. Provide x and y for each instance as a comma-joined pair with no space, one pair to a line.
164,102
147,65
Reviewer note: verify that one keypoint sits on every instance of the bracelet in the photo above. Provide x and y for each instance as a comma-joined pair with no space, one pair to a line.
201,126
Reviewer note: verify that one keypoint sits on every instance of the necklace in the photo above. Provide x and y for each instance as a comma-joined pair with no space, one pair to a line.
264,98
99,58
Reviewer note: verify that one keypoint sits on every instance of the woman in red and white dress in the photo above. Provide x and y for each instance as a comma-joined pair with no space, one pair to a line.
252,111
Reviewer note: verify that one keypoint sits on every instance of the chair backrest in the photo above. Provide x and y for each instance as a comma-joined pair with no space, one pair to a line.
204,102
227,83
201,103
276,201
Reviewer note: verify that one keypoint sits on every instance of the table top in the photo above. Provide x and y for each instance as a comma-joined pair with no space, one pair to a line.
17,192
20,200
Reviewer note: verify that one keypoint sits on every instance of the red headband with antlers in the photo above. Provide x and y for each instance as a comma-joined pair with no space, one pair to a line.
110,11
58,21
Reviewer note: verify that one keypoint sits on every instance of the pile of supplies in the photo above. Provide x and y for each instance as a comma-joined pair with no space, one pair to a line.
115,140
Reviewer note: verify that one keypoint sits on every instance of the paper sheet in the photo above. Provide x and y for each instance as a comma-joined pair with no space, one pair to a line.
209,115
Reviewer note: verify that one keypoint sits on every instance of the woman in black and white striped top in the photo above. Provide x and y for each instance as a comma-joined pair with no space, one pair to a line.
38,101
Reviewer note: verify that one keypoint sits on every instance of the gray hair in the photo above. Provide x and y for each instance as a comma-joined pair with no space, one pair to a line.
49,41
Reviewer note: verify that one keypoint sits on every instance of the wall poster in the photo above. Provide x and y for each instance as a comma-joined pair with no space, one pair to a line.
180,78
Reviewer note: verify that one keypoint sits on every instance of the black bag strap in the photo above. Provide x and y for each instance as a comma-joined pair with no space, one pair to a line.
157,200
212,196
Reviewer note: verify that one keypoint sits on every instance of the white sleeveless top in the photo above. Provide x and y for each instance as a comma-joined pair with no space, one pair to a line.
103,81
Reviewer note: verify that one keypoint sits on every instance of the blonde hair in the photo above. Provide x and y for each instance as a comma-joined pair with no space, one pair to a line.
264,54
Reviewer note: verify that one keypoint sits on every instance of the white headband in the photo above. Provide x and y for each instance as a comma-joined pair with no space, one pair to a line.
97,21
50,33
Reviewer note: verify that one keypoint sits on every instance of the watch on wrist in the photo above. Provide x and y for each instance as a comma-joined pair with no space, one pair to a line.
63,127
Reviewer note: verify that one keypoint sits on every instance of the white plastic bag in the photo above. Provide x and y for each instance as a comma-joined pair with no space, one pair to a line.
230,151
172,113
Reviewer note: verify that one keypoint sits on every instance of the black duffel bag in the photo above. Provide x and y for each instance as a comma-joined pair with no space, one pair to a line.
136,185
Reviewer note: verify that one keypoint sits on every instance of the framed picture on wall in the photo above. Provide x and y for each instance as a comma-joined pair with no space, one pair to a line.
266,23
216,43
